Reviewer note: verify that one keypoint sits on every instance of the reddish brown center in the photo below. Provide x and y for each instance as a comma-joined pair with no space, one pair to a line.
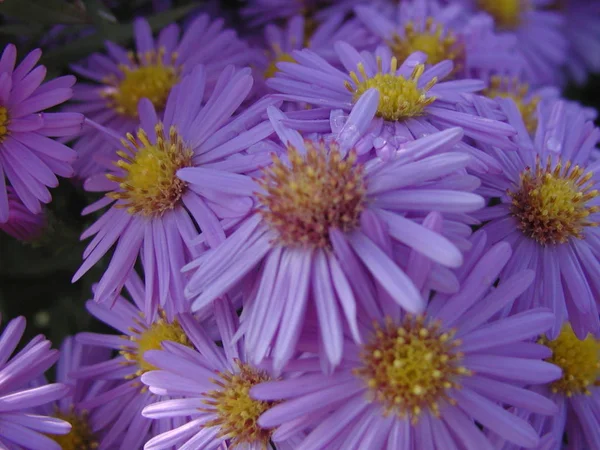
314,193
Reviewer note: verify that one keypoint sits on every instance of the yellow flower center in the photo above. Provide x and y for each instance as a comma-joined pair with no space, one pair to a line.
237,413
579,361
437,44
151,338
150,185
550,203
278,56
3,122
411,367
399,98
313,194
80,437
506,13
511,88
147,77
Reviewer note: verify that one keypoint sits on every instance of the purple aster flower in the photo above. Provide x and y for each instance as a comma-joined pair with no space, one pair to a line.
542,44
412,101
582,20
121,78
577,393
29,159
185,171
84,432
213,384
22,224
444,32
312,236
548,212
119,405
425,381
529,102
301,33
20,428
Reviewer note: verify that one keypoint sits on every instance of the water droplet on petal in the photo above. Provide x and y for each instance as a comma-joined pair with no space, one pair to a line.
553,144
337,120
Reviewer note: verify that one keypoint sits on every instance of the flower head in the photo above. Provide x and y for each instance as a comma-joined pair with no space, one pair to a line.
443,32
220,407
530,101
174,175
412,100
21,391
579,360
320,238
300,32
29,159
542,45
549,210
122,396
428,377
576,392
120,79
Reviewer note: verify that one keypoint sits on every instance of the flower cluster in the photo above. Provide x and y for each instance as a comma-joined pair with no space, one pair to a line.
353,225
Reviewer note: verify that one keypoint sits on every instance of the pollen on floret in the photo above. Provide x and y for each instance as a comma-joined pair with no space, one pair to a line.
504,87
4,121
236,412
551,203
399,98
506,13
434,40
81,436
578,359
410,367
150,337
149,183
149,75
316,192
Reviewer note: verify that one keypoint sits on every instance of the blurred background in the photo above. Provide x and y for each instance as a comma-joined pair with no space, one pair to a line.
35,277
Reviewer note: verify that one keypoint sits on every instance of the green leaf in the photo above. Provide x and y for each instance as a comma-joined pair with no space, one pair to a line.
120,33
46,12
20,30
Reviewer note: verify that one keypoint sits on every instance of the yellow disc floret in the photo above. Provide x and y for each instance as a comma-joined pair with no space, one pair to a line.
550,204
3,122
518,92
237,413
399,98
410,367
436,42
149,184
151,337
578,359
81,436
147,76
506,13
277,57
313,194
